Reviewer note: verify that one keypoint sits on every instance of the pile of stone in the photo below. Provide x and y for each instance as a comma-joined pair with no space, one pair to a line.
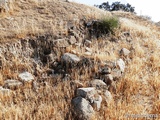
88,100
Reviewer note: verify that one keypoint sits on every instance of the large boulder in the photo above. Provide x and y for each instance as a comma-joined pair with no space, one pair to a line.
82,109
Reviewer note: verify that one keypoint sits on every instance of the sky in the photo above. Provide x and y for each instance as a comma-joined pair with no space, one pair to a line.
149,8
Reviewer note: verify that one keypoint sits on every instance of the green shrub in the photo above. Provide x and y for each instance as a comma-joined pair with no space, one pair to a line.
102,27
108,25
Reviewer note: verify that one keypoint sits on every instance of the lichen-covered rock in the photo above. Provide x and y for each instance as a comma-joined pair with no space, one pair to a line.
82,109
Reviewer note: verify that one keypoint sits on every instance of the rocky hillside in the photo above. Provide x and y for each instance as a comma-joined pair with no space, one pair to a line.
55,63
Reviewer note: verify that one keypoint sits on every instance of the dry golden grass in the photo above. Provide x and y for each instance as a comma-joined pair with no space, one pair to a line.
42,17
48,103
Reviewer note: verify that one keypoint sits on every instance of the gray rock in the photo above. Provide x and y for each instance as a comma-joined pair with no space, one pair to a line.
26,77
72,40
91,95
97,102
70,58
124,52
61,43
87,93
84,92
121,64
12,84
108,96
4,91
82,109
97,83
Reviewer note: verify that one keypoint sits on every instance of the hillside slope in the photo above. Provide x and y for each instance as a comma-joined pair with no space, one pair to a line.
34,17
49,61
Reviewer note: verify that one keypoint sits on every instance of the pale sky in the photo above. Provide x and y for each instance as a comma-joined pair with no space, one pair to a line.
142,7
